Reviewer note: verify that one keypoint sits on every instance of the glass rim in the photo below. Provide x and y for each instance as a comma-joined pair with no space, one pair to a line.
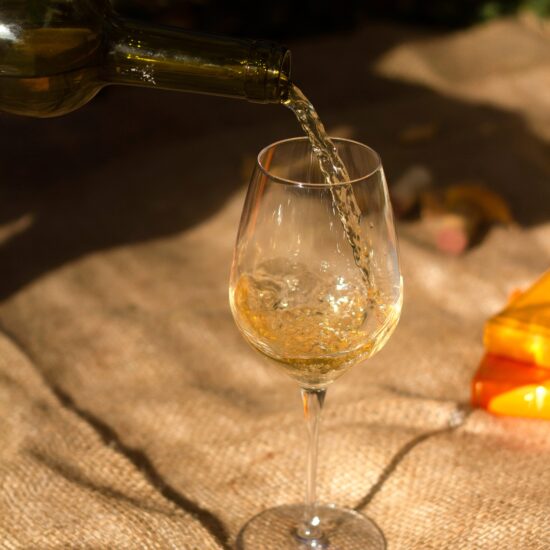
287,181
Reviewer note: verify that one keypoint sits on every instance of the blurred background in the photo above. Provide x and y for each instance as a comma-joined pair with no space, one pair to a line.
287,19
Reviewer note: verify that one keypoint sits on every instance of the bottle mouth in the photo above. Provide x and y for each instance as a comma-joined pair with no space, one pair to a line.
284,76
268,73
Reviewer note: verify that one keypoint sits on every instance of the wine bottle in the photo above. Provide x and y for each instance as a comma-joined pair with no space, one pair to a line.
56,55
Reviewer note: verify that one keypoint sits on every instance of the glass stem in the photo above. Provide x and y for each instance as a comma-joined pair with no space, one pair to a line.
313,401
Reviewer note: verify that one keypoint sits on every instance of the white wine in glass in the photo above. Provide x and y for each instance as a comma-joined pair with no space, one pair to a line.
302,295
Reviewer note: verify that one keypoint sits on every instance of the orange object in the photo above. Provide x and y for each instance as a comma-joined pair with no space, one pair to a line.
506,387
457,216
522,330
491,207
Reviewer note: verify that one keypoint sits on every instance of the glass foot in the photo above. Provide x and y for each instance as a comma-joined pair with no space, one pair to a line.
339,529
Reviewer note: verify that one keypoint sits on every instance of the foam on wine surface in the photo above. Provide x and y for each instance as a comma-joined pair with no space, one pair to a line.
315,324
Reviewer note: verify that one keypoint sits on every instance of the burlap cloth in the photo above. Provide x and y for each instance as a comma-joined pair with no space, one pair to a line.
132,413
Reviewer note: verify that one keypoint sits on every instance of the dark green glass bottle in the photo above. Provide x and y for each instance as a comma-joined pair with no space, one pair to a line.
55,55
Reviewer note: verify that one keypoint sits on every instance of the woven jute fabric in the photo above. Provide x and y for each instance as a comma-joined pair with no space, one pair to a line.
133,414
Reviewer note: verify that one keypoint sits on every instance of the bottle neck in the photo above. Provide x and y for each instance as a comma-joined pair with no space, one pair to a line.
174,59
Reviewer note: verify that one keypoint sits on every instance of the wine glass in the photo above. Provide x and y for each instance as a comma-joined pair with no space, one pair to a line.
316,302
